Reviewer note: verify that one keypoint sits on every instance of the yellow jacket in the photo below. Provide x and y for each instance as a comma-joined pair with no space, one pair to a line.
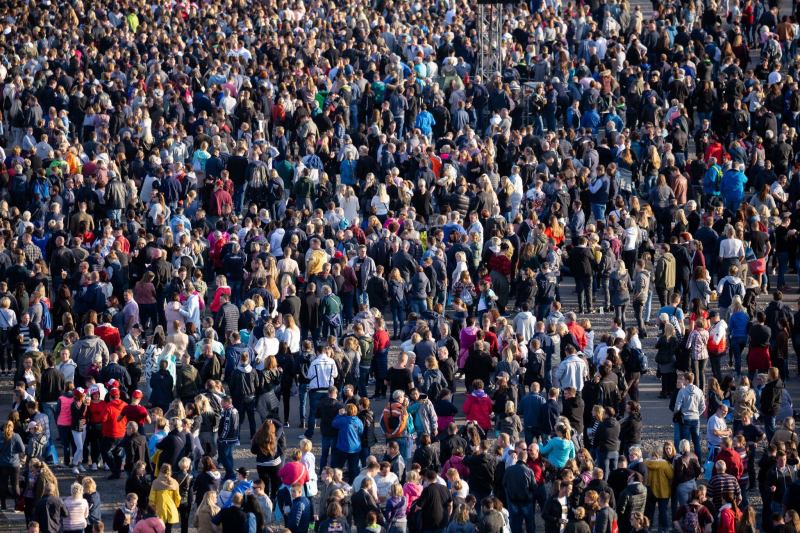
164,494
659,477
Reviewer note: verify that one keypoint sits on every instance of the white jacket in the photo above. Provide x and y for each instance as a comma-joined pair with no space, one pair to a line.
192,311
525,323
572,372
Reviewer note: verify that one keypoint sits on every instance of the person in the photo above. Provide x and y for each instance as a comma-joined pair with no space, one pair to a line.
348,443
50,511
771,400
126,517
77,509
693,515
228,436
435,504
690,402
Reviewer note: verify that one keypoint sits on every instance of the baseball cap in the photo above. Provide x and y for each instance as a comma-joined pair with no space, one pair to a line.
713,314
242,471
93,390
80,390
113,384
114,393
137,394
218,183
32,425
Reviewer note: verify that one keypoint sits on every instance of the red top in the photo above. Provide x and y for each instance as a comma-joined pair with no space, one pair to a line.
380,340
109,335
580,334
111,428
479,409
97,412
135,413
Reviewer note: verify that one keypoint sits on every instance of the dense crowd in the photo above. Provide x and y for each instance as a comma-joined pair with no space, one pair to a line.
209,209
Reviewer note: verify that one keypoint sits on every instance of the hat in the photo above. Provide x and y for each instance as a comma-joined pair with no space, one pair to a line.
503,375
94,390
112,384
37,224
114,392
137,394
32,425
218,183
713,314
80,391
604,243
137,326
242,471
337,255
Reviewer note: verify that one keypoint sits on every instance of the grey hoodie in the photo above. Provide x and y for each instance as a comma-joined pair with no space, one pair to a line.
85,350
690,402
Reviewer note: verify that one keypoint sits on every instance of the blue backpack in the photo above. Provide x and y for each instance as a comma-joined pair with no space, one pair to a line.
47,319
638,360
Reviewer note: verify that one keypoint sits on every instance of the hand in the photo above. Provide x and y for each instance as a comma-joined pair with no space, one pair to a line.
772,488
341,412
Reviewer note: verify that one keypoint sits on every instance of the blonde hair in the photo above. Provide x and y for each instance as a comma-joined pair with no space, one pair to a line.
76,490
306,445
89,486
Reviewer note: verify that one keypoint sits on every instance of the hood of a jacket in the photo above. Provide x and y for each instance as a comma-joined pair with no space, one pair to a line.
246,368
735,280
637,488
668,257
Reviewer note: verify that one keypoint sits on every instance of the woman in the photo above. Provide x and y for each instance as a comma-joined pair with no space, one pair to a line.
660,197
291,334
269,444
207,510
348,443
395,511
128,515
464,289
560,449
8,319
763,198
738,324
699,286
729,513
659,478
138,483
698,344
632,238
687,470
381,203
208,480
619,285
209,420
77,510
667,346
743,398
165,494
145,296
78,409
780,352
786,433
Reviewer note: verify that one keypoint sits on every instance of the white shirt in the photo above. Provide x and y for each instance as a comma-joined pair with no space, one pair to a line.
730,248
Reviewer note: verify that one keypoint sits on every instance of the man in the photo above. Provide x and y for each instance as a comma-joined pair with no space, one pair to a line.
632,500
228,436
771,396
491,521
723,482
135,446
49,511
299,517
556,509
581,265
231,518
243,390
520,485
116,371
731,458
605,514
573,410
113,430
84,352
573,371
227,318
48,391
172,445
665,275
690,403
326,410
452,441
482,465
435,504
321,375
529,409
717,428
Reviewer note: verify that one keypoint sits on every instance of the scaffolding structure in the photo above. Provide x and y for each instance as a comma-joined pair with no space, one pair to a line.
490,34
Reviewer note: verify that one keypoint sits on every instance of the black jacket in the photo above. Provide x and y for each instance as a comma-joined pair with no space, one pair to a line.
50,386
481,469
581,262
243,382
135,447
520,484
450,443
551,514
573,411
771,398
491,522
631,429
326,411
49,512
171,450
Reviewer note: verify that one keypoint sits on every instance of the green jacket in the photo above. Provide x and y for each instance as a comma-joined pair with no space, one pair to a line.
305,188
367,348
330,305
286,171
665,271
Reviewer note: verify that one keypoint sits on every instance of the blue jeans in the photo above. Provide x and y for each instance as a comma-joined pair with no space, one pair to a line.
363,455
598,212
783,266
684,490
419,306
676,434
115,215
441,297
236,292
225,458
690,430
703,116
738,345
400,122
397,318
607,461
769,426
733,205
65,434
347,301
315,397
362,297
519,512
542,311
302,393
353,117
550,119
238,197
328,444
362,380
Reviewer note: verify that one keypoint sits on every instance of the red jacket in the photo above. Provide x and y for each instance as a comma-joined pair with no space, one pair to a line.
110,335
111,428
727,520
579,333
732,460
478,407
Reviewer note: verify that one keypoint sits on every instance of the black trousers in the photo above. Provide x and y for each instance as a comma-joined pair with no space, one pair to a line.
9,475
583,286
269,475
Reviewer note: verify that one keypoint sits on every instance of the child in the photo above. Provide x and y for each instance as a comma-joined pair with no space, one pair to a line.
412,489
445,410
740,447
509,423
310,462
456,462
225,494
372,523
396,506
92,497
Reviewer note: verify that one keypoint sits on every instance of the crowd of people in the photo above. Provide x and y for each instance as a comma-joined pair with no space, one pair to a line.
209,209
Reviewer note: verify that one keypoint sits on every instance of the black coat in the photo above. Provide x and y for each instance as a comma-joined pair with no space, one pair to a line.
135,447
171,449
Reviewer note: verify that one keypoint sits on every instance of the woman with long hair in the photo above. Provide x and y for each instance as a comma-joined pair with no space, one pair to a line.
699,286
208,480
698,343
268,445
729,514
209,418
12,447
667,345
620,290
207,510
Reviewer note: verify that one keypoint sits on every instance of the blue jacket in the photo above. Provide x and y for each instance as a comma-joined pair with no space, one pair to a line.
350,431
530,408
299,517
732,186
548,417
591,120
738,324
558,451
710,185
161,388
425,121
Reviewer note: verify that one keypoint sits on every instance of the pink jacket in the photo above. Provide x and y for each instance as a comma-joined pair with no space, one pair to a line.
467,338
412,492
457,463
478,407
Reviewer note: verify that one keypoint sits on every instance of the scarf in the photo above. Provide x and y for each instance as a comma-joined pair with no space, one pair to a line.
130,514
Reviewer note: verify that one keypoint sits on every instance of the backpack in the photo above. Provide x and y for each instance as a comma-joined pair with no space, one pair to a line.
379,88
536,364
395,422
435,386
606,265
690,523
638,361
47,319
712,179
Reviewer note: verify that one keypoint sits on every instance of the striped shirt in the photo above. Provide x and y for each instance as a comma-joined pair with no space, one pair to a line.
720,484
77,512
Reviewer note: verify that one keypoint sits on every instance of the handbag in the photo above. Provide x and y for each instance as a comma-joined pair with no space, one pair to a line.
709,464
677,417
758,266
